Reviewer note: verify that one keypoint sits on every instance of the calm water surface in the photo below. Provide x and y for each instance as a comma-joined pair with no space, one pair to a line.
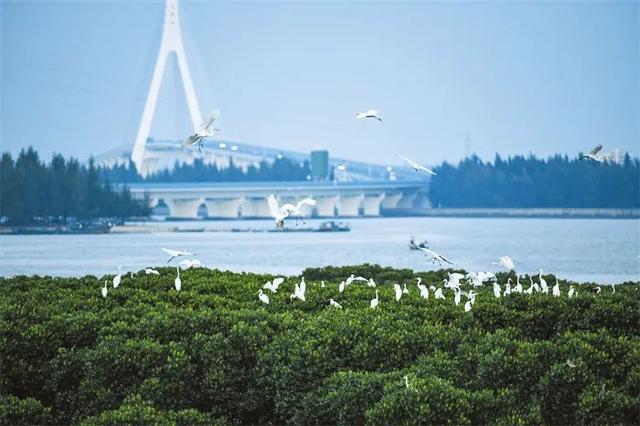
579,249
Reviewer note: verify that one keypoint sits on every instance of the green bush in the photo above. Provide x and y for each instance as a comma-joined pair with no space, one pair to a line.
213,353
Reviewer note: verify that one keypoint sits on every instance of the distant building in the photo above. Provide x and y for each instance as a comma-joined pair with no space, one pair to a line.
320,164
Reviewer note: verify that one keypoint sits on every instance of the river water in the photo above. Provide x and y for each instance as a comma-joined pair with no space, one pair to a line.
600,250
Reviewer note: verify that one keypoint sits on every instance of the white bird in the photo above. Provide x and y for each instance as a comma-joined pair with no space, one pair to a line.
507,288
613,289
334,303
371,282
280,213
424,291
454,280
570,364
398,291
374,301
598,290
263,297
467,306
594,155
206,130
273,286
322,284
372,113
543,283
117,278
438,294
178,282
518,287
341,286
299,290
405,290
572,292
435,257
188,264
406,381
104,289
496,289
177,253
506,262
151,271
415,165
456,297
556,289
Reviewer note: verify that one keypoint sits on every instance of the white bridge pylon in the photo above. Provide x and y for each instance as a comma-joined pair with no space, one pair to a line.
171,42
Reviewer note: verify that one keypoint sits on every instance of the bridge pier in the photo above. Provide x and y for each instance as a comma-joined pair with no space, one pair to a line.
326,205
183,208
371,204
391,200
255,207
227,208
349,205
407,200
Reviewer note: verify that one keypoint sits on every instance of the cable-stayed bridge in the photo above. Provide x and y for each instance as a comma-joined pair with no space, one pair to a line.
359,188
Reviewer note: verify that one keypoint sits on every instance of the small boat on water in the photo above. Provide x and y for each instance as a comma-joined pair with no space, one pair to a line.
417,245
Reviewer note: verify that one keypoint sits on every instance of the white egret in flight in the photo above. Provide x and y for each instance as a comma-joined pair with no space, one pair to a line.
372,113
206,130
117,278
273,286
435,257
178,282
415,165
151,271
280,213
335,304
263,297
594,155
104,289
177,253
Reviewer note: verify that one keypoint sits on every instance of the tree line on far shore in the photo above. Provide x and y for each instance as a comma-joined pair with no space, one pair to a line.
31,190
531,182
282,169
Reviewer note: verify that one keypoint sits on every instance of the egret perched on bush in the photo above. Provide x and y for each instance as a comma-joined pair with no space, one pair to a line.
518,287
335,304
454,279
178,282
556,289
374,301
467,306
438,294
298,291
273,286
104,289
177,253
117,278
405,290
457,295
572,291
371,282
424,291
398,290
280,213
263,297
151,271
543,283
507,288
496,289
188,264
341,286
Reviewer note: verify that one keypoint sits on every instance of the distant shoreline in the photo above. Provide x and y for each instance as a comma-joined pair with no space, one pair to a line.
556,213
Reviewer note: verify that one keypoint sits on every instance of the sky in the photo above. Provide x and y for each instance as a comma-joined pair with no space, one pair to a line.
449,79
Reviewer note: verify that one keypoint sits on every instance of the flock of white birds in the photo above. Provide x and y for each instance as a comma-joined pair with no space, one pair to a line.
282,212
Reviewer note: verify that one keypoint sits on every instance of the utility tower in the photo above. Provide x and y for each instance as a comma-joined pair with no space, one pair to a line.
171,43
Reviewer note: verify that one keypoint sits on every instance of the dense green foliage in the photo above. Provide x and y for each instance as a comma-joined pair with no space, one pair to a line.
30,189
530,182
282,169
213,353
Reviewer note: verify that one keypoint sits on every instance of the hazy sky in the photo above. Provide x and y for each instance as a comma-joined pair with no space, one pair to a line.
448,78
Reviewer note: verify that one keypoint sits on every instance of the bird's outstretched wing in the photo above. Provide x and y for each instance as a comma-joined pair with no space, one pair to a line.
274,208
189,141
171,252
307,202
415,165
207,124
596,150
